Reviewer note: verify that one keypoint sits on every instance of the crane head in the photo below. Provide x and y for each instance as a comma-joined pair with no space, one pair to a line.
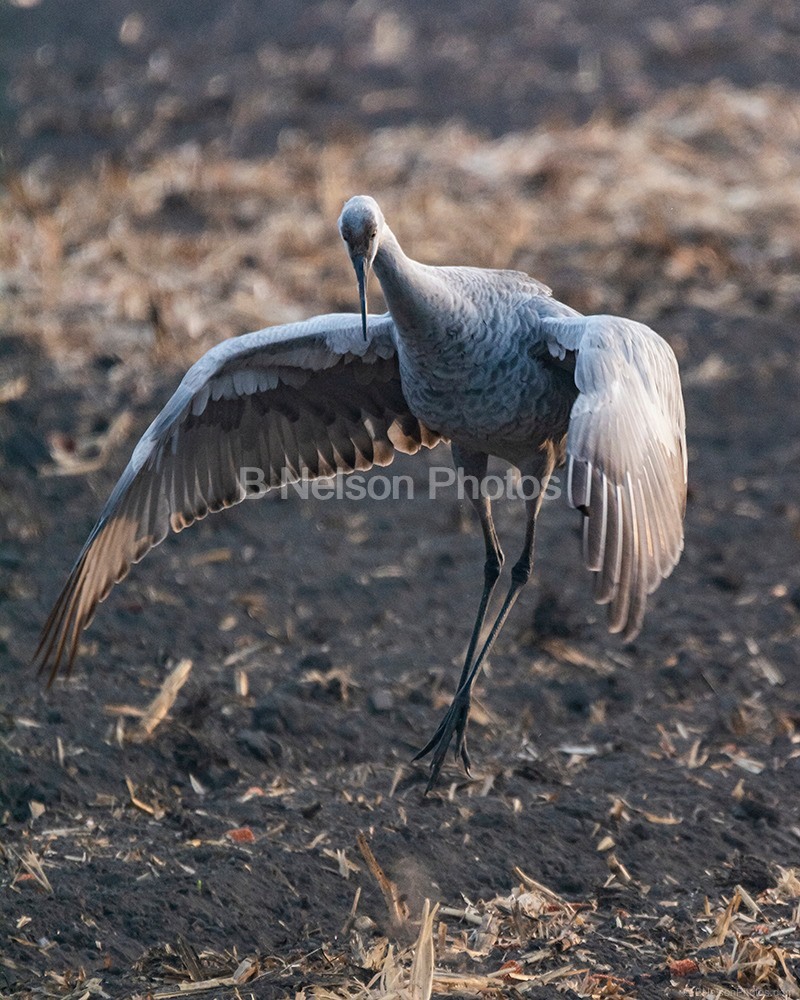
360,226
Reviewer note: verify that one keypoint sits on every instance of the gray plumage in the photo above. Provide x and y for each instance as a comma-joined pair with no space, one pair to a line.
494,363
486,359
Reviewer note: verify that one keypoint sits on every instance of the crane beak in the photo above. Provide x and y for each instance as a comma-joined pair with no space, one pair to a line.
362,271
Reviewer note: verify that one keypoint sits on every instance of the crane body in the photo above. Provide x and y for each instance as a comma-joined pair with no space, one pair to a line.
486,359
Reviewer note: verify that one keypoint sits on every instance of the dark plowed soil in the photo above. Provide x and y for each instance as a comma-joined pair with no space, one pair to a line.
325,637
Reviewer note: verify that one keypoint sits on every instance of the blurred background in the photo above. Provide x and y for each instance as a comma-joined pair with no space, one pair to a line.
126,79
205,149
172,173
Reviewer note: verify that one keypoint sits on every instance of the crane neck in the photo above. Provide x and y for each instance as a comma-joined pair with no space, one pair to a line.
414,292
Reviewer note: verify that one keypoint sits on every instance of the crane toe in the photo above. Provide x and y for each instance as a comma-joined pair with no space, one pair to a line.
453,724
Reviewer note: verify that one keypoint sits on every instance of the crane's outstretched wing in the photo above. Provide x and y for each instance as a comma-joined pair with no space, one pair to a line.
305,400
626,457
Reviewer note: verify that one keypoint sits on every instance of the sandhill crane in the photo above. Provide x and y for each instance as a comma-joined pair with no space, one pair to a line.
486,359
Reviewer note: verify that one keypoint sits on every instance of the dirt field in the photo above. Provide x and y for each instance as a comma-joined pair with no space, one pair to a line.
632,825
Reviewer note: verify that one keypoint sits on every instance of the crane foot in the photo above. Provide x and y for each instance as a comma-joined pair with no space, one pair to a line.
453,724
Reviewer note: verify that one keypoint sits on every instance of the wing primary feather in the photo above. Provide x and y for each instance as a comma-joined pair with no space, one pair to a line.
608,577
579,483
620,603
595,525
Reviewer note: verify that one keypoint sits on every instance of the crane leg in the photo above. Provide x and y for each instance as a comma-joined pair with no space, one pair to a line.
475,465
456,718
